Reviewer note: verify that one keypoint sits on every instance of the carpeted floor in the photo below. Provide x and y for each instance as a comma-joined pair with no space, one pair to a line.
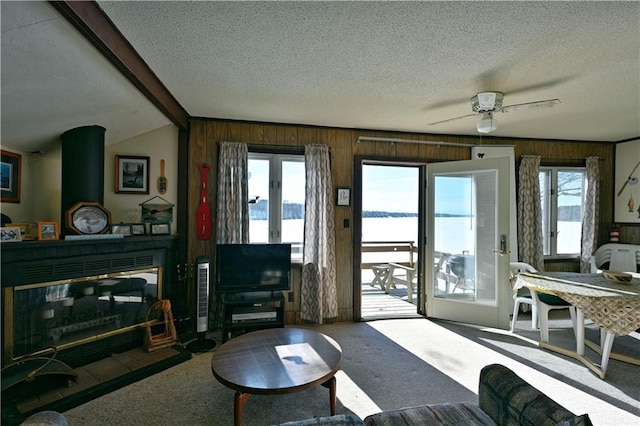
387,364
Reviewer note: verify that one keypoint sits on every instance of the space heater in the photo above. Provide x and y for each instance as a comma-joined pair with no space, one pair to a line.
201,343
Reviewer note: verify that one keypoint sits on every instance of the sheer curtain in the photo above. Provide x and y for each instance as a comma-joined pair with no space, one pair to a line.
319,294
590,214
233,199
530,234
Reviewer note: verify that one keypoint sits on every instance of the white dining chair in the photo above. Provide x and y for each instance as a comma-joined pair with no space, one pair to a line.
540,303
616,257
522,296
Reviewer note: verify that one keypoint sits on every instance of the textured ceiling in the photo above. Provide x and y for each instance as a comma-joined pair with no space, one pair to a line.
371,65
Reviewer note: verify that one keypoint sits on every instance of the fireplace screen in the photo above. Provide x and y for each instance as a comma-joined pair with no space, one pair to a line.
64,313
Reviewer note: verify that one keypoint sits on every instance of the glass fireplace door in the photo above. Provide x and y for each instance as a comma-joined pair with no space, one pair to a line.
69,312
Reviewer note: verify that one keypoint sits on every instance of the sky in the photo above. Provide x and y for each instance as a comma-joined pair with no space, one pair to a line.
390,189
395,189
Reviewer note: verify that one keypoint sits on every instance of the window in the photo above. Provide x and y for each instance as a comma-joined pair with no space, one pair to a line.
276,199
562,196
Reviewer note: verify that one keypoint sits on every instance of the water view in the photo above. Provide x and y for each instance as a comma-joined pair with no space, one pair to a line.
406,229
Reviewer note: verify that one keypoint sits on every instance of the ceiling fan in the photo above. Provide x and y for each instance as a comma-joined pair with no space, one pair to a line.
488,103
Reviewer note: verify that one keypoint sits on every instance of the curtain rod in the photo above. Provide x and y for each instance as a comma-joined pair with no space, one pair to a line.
439,143
566,160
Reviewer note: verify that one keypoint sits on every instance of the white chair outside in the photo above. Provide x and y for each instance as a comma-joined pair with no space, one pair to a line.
541,304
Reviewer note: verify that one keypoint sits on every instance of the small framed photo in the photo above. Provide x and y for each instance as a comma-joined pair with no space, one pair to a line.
10,234
343,196
138,229
121,228
27,231
10,176
132,175
47,231
160,228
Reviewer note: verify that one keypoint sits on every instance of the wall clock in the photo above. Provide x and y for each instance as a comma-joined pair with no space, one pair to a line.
88,217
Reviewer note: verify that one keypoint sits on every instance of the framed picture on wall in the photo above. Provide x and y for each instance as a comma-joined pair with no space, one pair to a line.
10,176
343,196
626,200
132,175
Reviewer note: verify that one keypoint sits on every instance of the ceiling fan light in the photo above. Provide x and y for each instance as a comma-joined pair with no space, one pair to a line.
487,123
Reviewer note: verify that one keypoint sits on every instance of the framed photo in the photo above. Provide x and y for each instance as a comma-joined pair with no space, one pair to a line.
138,229
47,231
160,229
121,228
343,196
626,207
26,231
10,176
157,211
10,234
132,175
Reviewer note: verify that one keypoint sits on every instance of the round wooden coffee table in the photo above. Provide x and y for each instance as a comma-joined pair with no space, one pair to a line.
277,361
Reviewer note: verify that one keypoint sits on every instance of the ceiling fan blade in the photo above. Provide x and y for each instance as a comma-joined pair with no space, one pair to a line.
530,105
452,119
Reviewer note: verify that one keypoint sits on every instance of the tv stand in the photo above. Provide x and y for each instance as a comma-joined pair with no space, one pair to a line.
243,312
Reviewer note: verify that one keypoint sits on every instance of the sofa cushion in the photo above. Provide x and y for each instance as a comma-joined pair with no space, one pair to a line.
453,413
509,400
336,420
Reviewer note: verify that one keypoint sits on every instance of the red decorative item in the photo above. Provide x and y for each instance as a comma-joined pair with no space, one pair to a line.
615,234
203,213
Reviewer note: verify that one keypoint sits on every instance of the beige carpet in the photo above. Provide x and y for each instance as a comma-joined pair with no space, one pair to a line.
387,364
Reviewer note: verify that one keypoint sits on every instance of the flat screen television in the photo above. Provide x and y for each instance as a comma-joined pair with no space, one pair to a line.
252,267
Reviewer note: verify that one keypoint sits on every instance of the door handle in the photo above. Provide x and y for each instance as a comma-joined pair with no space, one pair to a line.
503,245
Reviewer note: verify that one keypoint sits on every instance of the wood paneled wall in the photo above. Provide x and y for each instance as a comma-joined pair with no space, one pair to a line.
205,135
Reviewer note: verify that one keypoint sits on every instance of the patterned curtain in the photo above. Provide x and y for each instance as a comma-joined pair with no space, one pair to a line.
589,241
530,237
319,294
232,216
233,193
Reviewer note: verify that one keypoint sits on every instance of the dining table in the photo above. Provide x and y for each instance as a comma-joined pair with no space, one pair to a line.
612,306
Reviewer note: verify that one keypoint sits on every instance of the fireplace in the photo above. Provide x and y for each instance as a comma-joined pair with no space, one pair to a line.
88,299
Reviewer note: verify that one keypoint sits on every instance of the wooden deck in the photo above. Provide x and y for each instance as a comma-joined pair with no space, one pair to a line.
376,304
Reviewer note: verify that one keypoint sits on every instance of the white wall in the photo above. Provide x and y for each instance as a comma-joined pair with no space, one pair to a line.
42,179
158,144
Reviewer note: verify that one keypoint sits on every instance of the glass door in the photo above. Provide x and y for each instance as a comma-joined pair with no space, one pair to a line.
467,243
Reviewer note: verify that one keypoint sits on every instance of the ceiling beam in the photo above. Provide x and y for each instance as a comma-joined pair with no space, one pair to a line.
95,26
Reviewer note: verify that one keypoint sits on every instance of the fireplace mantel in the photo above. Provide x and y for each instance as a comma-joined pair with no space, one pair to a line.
72,259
